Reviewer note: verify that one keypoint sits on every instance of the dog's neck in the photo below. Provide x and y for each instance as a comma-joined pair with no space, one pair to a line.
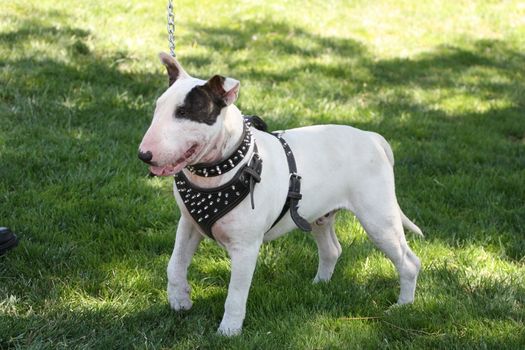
222,146
232,131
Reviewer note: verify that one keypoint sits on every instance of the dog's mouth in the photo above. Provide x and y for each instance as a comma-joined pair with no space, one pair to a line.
178,165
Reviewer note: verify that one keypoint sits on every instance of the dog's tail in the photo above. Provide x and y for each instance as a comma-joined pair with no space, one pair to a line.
390,155
409,224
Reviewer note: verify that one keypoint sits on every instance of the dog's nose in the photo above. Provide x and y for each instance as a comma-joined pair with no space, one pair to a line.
146,157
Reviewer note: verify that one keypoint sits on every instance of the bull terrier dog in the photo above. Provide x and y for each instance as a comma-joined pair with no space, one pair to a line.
242,186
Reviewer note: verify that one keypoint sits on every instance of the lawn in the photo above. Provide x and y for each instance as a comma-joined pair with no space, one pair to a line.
443,81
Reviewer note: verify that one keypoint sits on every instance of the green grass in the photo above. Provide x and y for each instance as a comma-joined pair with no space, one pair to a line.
443,81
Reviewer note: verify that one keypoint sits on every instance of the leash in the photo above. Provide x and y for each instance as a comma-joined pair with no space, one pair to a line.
171,28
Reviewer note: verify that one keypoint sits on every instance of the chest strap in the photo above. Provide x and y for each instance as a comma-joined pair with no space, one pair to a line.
207,205
294,190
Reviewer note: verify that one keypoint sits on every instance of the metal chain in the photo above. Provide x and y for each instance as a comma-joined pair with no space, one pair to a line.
171,28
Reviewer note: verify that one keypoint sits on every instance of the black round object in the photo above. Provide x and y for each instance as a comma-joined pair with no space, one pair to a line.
8,240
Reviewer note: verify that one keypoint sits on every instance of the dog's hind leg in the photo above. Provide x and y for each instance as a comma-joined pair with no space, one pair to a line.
186,243
328,246
378,212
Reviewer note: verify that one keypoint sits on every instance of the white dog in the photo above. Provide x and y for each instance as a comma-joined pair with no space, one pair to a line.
196,132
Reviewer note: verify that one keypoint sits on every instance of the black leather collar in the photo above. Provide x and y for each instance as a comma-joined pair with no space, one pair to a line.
216,169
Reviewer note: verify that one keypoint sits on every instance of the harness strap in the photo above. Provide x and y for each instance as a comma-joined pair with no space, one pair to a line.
253,172
294,190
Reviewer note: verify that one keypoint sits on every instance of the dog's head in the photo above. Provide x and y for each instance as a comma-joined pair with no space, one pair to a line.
188,120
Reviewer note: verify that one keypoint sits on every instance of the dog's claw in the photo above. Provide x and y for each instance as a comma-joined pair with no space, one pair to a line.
180,305
228,332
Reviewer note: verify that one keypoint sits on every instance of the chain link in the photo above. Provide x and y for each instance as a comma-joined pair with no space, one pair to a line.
171,28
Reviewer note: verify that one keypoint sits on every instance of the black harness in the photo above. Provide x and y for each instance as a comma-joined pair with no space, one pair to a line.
207,205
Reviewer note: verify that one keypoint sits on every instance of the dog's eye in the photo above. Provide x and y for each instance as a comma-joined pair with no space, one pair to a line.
181,112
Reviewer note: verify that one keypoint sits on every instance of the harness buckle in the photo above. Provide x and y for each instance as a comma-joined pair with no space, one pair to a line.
253,170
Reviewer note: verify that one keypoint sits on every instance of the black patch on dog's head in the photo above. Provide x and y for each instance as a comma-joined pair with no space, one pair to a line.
202,104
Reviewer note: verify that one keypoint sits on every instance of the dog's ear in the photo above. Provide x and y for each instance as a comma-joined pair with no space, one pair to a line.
175,70
226,88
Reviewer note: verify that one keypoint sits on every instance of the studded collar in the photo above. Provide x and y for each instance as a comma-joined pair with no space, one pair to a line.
222,166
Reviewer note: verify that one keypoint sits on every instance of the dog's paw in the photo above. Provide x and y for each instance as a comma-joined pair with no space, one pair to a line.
180,305
317,280
179,298
396,307
321,279
228,331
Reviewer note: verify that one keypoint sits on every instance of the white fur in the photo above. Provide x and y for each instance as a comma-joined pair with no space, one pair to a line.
341,168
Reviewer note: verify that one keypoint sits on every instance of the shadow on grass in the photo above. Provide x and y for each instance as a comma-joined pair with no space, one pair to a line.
79,198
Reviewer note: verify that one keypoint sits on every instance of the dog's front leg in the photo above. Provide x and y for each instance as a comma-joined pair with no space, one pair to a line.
186,243
243,261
